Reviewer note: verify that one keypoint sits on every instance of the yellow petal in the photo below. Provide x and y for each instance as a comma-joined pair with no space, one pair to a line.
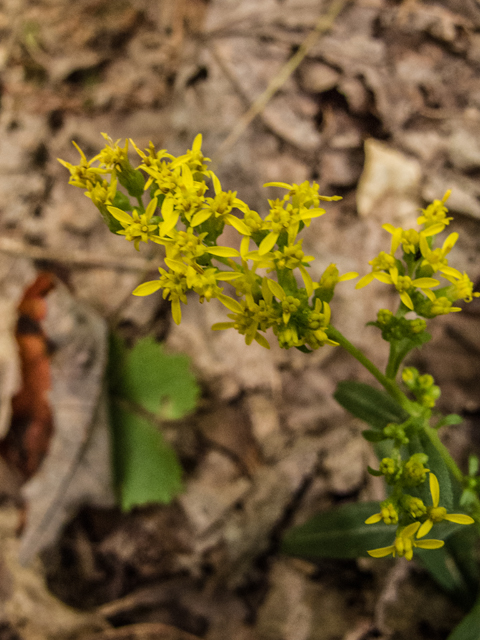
175,265
197,143
425,528
176,311
425,283
220,326
276,289
230,303
216,184
268,243
147,288
283,185
389,227
429,544
449,242
459,518
407,301
263,342
348,276
226,276
424,248
150,210
237,224
382,552
410,531
244,246
433,229
328,312
307,280
120,215
200,217
365,280
434,489
266,292
373,519
223,252
386,278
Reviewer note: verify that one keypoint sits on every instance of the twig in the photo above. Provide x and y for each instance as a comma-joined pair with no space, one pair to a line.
324,23
75,258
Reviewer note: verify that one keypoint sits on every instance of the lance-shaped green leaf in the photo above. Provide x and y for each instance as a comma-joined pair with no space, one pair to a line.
371,405
469,627
339,533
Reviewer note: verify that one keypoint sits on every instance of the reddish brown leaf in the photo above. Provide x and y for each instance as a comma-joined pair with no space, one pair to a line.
27,441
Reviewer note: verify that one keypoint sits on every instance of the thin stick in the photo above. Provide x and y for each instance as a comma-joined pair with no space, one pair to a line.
324,23
75,258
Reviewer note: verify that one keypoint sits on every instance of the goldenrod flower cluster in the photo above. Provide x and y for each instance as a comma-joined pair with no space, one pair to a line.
413,517
412,275
187,213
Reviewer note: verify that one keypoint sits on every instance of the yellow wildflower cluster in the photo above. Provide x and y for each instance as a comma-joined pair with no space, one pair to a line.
412,275
406,508
188,211
405,541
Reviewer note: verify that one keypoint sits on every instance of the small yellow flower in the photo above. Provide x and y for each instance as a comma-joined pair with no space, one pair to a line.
437,514
136,227
388,514
409,238
462,287
404,544
403,284
383,262
442,305
436,259
436,213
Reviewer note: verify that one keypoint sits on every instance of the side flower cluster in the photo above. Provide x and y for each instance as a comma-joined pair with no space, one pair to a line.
415,275
187,213
412,517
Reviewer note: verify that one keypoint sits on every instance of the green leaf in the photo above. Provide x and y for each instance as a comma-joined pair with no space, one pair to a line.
462,545
339,533
449,420
144,381
160,382
121,201
371,405
473,465
443,570
373,436
469,627
146,467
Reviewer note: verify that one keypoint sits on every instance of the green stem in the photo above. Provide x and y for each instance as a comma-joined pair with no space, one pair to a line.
391,369
444,453
389,385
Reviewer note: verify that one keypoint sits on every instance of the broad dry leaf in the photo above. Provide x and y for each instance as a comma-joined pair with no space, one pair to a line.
76,469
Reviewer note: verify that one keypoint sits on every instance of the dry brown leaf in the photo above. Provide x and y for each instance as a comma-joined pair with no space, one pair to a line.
77,467
27,441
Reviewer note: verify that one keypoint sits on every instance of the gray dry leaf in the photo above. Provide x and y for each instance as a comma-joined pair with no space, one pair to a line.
77,468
